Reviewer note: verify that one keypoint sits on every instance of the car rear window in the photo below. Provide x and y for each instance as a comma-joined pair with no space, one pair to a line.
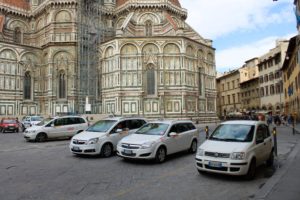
9,121
37,118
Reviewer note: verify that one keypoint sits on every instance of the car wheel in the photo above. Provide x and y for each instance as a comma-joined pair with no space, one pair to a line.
106,150
160,156
17,130
270,160
3,130
251,171
41,137
193,147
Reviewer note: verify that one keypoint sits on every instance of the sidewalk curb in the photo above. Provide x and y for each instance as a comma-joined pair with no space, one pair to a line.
274,180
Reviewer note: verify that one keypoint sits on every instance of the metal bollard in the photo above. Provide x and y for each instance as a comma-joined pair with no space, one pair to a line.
206,132
293,127
275,140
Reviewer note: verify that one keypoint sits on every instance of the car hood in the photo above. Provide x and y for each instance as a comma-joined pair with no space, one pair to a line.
140,138
224,147
86,135
33,128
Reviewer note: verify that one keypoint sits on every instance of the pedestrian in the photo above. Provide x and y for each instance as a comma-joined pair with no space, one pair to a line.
290,120
270,119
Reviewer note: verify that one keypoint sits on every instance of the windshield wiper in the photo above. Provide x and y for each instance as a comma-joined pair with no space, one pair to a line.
214,138
231,140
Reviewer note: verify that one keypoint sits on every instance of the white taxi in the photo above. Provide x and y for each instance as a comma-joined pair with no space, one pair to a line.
102,137
236,148
156,140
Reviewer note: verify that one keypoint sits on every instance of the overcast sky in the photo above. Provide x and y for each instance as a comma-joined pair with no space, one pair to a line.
241,29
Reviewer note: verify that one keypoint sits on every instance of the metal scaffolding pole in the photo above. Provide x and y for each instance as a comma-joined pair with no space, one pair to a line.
90,34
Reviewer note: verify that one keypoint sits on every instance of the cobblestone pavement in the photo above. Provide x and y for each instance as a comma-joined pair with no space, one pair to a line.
49,171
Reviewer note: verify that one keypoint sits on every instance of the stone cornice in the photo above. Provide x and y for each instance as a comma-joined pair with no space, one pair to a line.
154,4
6,8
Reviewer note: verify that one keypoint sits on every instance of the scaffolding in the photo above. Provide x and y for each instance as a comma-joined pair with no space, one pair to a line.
90,35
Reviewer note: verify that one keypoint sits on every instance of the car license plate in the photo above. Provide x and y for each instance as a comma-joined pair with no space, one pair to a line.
127,151
76,148
215,164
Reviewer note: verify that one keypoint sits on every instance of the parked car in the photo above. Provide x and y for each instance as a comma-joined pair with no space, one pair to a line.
60,127
29,121
236,148
102,137
155,140
8,124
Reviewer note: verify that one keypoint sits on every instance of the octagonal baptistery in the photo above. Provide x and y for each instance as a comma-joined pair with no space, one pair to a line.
157,66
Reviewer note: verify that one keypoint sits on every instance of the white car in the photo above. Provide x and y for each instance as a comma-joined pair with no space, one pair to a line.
156,140
236,148
61,127
102,137
29,121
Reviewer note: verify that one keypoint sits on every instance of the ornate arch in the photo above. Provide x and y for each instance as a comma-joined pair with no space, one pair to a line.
150,52
171,48
154,18
12,24
129,49
210,57
62,60
190,51
8,54
63,16
29,61
109,51
40,23
120,22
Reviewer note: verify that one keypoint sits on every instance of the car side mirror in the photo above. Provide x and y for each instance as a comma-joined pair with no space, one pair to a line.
173,134
52,125
119,130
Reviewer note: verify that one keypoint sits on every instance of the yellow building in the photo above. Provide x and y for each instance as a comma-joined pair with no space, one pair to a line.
228,86
291,76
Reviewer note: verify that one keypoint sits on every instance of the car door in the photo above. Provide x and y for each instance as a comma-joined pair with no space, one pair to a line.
268,144
259,144
183,136
119,131
71,126
60,127
172,142
50,129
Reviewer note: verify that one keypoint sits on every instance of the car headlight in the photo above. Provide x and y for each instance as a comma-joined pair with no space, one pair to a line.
238,156
32,131
147,145
93,141
200,152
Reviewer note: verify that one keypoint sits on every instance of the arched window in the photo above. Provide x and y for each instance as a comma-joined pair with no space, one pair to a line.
17,35
151,81
27,86
62,85
148,26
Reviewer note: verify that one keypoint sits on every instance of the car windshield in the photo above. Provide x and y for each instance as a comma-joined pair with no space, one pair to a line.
9,121
36,118
153,129
102,126
45,121
233,133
